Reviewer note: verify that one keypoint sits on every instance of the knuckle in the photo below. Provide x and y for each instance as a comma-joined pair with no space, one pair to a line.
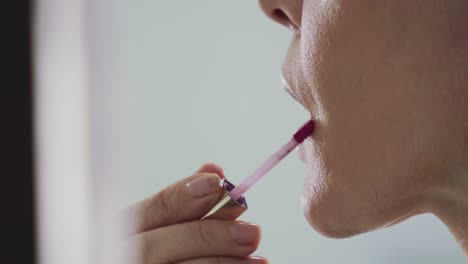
167,200
145,248
202,235
203,231
162,203
159,207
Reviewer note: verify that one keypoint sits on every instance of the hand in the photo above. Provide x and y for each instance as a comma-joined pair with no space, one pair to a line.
168,229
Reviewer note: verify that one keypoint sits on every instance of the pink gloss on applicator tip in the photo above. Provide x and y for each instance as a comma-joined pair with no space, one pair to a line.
303,132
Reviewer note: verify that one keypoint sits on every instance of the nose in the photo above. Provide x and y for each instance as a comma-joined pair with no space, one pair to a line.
285,12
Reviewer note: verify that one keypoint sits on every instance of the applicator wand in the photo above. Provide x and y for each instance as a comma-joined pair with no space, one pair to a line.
231,203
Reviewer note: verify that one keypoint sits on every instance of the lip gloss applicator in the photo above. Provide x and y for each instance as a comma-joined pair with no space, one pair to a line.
231,203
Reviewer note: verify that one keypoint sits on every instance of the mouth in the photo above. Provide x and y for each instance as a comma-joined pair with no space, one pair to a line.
288,89
301,153
301,150
293,92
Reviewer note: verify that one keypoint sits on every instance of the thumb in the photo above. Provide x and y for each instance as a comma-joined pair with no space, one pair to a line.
212,168
183,201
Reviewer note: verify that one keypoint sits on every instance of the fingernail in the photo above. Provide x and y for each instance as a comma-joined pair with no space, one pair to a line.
245,233
257,260
203,185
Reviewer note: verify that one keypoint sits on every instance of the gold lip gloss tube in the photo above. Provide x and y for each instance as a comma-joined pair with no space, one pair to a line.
227,208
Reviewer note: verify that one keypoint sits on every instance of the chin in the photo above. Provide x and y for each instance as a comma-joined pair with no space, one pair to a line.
336,212
330,223
348,192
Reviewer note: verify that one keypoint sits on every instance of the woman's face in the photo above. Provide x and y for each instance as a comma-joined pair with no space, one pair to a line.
384,82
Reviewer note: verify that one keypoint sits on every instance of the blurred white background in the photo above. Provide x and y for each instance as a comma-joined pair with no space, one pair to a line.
188,82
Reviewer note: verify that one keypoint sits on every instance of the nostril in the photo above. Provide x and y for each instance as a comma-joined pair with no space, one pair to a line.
280,16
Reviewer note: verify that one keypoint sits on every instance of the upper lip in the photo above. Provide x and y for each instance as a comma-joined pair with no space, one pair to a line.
292,91
288,89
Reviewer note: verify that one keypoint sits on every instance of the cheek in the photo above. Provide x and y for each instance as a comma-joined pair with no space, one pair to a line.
368,162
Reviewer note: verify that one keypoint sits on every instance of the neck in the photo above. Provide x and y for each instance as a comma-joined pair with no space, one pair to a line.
451,206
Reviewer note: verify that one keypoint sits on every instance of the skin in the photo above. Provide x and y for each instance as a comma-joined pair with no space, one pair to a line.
387,83
168,229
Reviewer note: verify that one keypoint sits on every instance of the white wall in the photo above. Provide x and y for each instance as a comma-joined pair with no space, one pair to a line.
199,81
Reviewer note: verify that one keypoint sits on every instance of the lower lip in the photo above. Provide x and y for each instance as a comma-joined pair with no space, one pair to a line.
301,152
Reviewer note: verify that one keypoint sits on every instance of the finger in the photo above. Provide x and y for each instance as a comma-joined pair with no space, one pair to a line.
226,260
197,239
211,168
183,201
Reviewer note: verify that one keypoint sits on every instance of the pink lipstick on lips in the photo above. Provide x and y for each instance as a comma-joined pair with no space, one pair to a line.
232,204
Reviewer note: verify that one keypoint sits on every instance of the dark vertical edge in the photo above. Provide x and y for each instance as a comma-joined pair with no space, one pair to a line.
17,224
32,150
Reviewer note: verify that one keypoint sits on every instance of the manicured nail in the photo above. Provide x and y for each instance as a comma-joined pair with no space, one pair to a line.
245,233
203,185
257,260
